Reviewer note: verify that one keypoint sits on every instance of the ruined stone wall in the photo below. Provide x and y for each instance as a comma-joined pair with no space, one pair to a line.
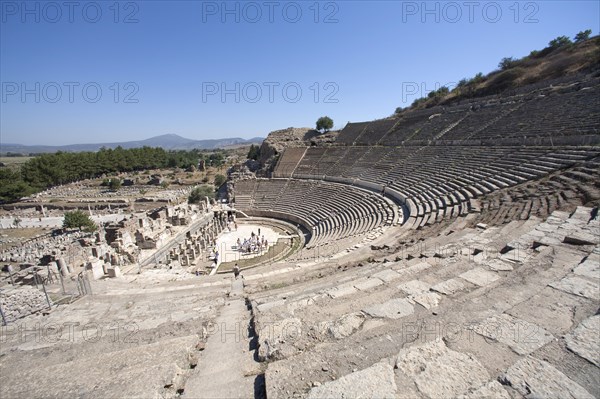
279,140
22,301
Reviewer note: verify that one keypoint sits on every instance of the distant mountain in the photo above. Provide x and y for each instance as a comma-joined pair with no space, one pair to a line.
166,141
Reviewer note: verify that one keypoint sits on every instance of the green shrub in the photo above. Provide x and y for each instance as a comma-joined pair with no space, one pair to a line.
324,123
199,193
219,180
78,220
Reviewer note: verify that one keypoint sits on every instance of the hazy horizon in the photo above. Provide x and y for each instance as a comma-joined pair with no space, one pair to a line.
4,144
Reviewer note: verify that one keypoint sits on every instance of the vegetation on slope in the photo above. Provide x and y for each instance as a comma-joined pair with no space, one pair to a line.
560,58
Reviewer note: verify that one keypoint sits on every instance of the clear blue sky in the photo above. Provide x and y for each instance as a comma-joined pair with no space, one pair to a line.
175,57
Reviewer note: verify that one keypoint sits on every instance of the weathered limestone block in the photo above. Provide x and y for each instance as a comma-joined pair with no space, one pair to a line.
449,287
392,309
427,299
386,275
584,340
97,268
480,276
114,271
538,379
590,267
520,335
367,284
578,286
493,389
440,372
414,287
346,325
276,338
341,291
376,381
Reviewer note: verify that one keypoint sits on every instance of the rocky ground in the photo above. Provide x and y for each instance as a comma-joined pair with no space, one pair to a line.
514,317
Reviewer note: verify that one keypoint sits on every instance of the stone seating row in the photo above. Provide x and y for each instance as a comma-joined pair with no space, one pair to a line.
439,181
546,113
293,156
330,211
348,321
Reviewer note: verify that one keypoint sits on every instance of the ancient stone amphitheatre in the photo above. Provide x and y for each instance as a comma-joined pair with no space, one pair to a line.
447,251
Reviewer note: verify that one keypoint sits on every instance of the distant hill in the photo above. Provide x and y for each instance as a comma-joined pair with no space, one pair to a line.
166,141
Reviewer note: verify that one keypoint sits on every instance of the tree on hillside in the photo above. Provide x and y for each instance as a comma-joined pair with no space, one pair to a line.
442,91
12,186
583,35
254,152
507,63
324,124
559,42
478,78
78,220
114,184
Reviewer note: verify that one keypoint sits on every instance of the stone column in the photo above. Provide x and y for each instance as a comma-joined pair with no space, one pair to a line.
62,266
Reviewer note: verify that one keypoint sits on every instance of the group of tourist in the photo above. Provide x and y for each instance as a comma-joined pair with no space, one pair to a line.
254,244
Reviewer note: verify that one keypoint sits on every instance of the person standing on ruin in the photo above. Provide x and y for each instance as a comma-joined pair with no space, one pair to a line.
236,271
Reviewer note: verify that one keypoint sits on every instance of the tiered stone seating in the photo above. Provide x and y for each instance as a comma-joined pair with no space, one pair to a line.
458,299
480,117
526,114
292,157
439,125
408,127
127,340
309,162
540,198
330,158
572,114
351,132
438,182
267,192
247,192
348,158
329,211
375,131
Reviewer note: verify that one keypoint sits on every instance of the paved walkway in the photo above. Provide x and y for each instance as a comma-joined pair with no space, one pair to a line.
226,368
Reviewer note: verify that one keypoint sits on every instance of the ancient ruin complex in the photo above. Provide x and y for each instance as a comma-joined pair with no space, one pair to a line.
452,251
